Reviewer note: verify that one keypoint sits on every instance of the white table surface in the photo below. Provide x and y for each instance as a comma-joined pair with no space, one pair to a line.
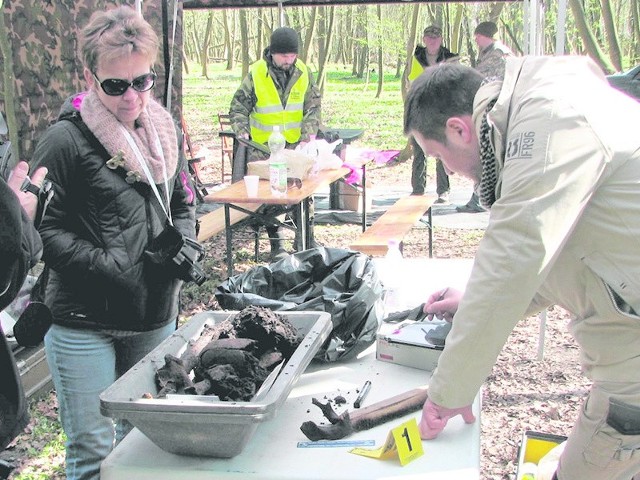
279,450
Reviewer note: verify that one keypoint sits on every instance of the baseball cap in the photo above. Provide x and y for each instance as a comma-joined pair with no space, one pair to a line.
432,31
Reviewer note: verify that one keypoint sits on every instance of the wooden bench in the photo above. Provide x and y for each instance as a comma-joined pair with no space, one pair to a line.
395,223
212,223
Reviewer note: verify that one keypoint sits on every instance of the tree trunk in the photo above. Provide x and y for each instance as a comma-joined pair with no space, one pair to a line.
308,39
411,46
321,38
587,37
635,37
8,76
204,51
380,52
185,62
326,48
196,45
228,41
244,41
456,30
348,47
611,35
361,46
261,37
470,44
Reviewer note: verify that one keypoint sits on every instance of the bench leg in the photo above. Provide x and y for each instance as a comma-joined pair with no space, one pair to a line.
302,223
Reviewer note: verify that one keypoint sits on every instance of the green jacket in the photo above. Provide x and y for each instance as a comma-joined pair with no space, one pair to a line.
492,59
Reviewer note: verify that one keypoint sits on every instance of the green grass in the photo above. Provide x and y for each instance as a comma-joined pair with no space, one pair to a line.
45,451
347,102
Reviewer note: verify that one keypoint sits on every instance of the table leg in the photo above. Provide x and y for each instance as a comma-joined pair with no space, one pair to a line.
227,231
307,222
302,219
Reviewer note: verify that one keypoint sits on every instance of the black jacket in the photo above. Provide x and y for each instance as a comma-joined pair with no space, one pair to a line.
95,232
443,54
20,248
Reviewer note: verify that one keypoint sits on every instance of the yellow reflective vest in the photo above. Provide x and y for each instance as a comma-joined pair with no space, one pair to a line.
269,111
416,69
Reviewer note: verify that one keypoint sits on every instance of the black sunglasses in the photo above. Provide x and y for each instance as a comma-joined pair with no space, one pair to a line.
117,86
293,182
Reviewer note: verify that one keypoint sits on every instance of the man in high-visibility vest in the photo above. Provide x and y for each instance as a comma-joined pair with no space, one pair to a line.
424,56
279,90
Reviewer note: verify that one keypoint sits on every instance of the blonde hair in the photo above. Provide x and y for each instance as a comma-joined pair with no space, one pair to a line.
114,34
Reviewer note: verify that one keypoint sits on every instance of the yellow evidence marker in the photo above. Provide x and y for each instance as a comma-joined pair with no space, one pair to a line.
402,441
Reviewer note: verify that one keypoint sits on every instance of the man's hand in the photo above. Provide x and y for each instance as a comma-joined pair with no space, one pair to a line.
17,178
435,418
443,304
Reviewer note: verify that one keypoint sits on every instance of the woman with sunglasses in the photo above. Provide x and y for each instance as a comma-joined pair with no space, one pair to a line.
119,180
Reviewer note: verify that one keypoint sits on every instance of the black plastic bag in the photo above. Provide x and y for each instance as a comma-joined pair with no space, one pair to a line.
341,282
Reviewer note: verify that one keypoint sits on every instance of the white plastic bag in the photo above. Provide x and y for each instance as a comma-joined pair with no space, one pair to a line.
322,153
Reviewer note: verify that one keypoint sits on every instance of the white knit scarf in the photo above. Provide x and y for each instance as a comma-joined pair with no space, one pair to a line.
108,130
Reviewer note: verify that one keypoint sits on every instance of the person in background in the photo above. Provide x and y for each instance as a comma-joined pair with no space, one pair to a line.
491,60
279,90
120,181
20,250
492,54
555,155
431,53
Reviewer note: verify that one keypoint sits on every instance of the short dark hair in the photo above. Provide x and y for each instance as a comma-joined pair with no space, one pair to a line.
442,91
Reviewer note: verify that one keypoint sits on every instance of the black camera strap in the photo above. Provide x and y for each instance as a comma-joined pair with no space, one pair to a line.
76,119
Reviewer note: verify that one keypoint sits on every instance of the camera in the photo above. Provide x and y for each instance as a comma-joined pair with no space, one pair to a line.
187,260
179,255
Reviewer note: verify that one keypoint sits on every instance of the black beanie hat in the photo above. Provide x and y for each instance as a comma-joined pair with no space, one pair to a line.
284,40
488,29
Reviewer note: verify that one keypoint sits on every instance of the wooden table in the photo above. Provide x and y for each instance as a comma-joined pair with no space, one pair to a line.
235,195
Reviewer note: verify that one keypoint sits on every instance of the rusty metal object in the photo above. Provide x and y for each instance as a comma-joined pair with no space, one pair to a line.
365,418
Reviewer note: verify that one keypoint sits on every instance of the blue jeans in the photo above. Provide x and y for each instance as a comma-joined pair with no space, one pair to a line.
83,363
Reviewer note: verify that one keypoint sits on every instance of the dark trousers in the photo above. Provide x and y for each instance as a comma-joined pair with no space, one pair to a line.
419,173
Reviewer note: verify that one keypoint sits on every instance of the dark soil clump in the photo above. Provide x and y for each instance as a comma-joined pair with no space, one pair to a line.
232,359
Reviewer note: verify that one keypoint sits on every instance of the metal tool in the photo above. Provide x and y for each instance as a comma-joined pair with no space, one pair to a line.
364,391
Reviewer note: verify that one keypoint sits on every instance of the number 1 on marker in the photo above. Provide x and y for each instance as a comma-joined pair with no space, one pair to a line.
408,441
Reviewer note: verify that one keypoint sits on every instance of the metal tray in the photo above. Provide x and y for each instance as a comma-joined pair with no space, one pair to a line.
200,425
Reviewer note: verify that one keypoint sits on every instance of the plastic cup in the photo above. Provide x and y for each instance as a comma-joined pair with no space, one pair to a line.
251,184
